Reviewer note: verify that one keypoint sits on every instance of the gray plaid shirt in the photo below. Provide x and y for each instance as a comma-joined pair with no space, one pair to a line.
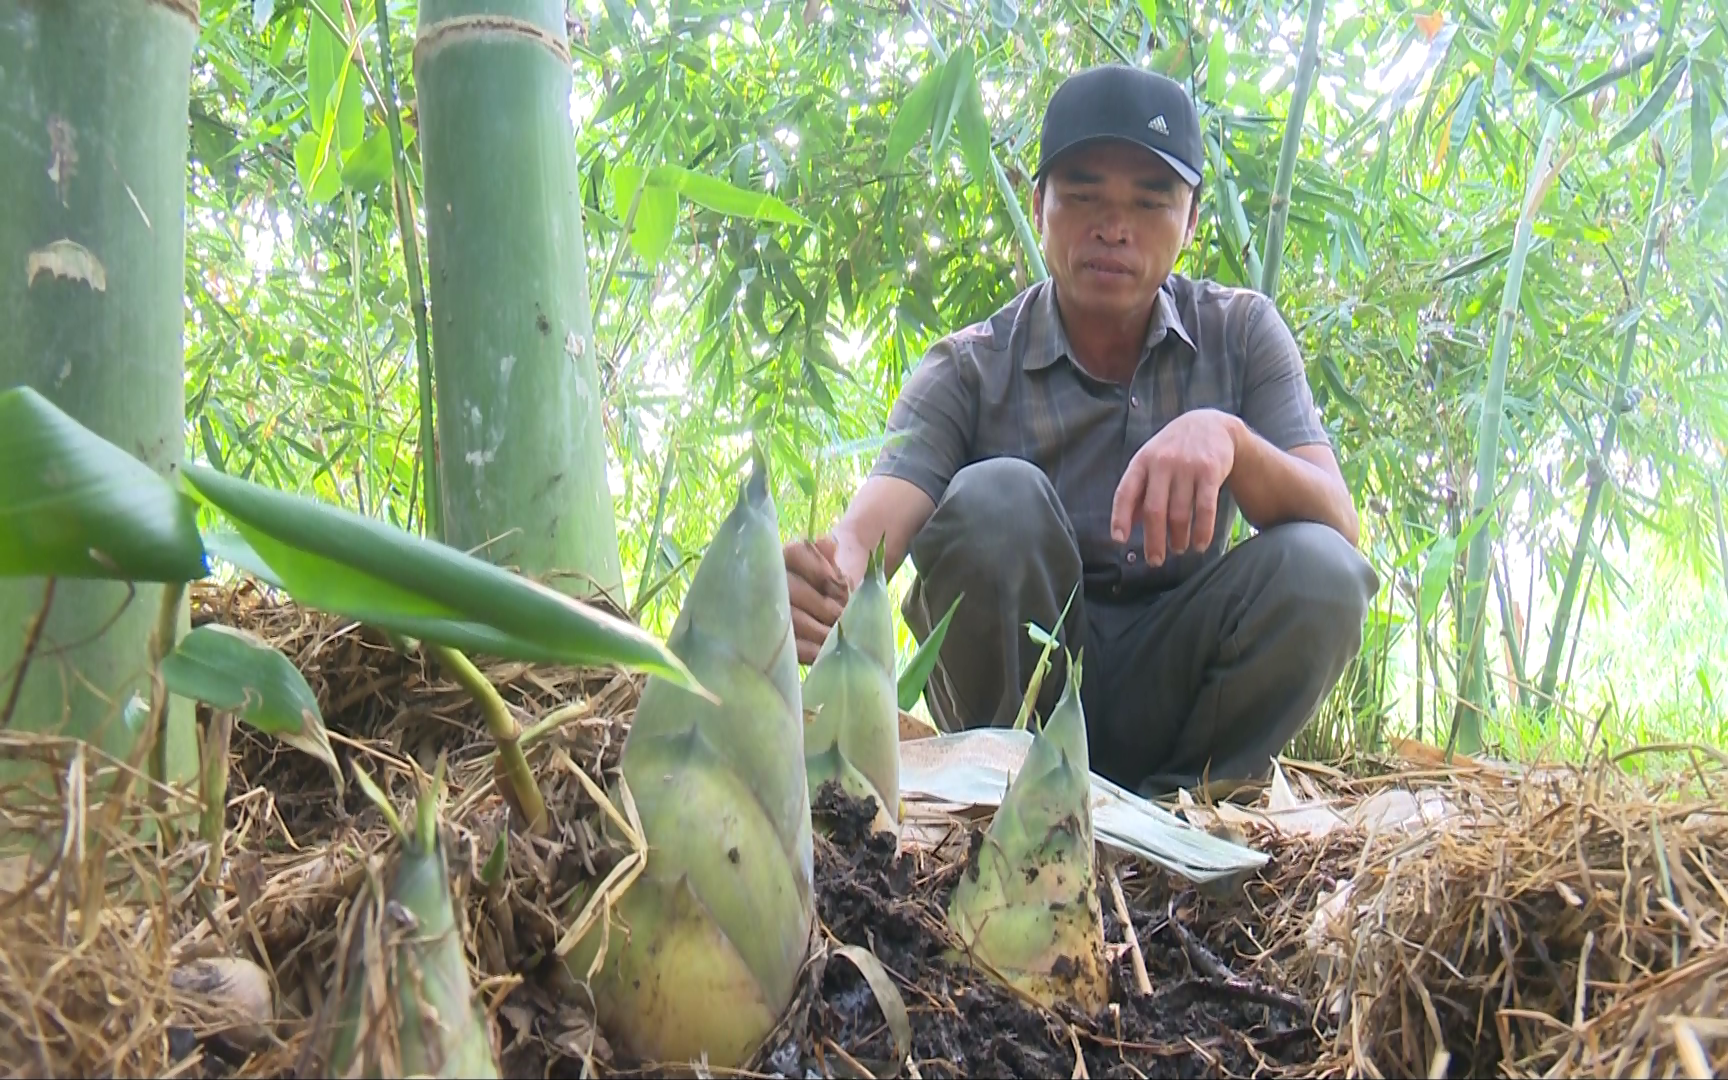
1008,387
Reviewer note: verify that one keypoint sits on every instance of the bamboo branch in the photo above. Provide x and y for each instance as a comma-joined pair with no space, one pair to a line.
511,768
33,637
1273,261
1466,717
1599,468
433,515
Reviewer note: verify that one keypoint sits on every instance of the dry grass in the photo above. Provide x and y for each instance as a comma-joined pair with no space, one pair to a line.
1566,925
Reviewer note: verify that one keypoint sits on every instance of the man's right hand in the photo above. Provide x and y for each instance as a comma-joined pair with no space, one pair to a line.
818,591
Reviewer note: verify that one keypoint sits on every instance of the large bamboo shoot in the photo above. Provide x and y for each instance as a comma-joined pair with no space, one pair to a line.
704,948
1026,906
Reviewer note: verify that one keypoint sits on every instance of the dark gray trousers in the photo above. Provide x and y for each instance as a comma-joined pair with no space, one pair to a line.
1213,677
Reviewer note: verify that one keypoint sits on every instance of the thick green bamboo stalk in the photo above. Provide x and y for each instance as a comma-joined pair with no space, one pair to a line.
521,449
93,142
1273,261
1472,697
1599,474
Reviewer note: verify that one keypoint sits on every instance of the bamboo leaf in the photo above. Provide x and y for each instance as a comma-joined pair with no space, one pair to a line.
1607,78
957,80
974,131
231,669
1436,572
722,197
1703,134
1665,33
1217,65
369,166
916,673
1649,111
72,504
334,559
1510,23
1458,130
1531,37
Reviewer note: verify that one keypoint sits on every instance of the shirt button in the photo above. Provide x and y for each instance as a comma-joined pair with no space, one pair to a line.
1130,556
1134,402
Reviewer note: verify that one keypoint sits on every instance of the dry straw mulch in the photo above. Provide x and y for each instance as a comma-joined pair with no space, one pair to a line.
1556,924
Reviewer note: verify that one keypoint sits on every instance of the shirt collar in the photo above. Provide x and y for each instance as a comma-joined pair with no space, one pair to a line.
1049,341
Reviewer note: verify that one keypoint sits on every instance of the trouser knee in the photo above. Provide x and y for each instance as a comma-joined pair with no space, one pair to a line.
1321,582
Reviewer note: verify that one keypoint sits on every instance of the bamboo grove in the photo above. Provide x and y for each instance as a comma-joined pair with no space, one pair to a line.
555,250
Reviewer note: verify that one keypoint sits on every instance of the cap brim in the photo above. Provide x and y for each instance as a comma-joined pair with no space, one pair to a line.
1188,175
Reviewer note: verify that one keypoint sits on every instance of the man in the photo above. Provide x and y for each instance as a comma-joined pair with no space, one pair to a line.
1105,427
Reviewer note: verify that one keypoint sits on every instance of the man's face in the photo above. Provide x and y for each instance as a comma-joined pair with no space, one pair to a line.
1114,218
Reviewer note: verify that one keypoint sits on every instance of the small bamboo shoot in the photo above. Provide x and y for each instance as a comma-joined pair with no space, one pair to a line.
1026,906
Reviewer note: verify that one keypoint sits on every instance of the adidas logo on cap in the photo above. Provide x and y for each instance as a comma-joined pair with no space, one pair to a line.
1157,124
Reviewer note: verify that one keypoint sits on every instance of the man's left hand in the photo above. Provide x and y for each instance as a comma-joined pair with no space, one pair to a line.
1172,484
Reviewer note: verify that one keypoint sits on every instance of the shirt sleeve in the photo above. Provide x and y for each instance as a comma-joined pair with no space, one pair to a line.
1277,402
931,424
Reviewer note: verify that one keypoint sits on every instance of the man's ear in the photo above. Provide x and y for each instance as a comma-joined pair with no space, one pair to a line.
1193,215
1038,206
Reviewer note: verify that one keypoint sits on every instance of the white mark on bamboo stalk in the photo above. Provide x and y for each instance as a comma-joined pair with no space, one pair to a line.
65,373
505,365
68,259
62,155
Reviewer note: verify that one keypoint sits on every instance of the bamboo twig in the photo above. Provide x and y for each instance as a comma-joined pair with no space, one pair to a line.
432,515
32,637
1142,983
512,765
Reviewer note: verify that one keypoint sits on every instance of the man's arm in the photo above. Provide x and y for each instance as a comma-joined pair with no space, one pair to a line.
884,506
1285,469
931,425
1172,483
1274,486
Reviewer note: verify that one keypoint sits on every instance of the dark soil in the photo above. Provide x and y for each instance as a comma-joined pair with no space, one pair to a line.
1197,1022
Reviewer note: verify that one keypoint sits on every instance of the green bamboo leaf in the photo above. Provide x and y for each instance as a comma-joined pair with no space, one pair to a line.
656,213
323,55
1703,133
72,504
1436,572
231,669
958,79
1665,33
1458,131
722,197
334,559
369,166
1531,37
974,131
1650,110
656,219
1217,65
916,673
1608,78
1509,24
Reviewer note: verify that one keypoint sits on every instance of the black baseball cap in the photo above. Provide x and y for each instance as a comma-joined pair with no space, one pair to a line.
1115,101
